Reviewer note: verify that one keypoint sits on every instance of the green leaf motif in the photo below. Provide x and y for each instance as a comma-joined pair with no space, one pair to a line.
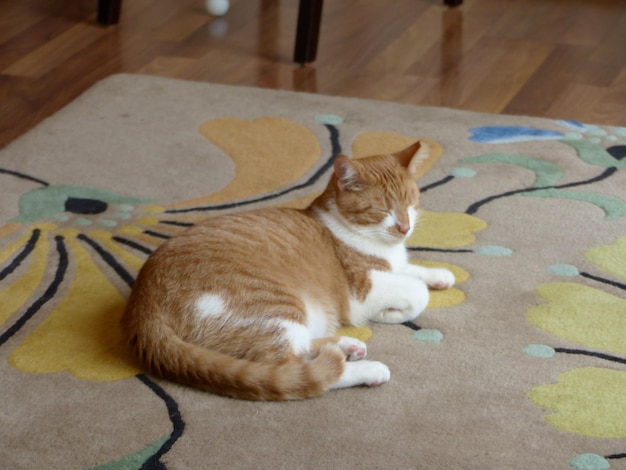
134,461
546,173
594,154
613,207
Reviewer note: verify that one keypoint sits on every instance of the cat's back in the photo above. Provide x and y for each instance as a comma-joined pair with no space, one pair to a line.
257,231
267,242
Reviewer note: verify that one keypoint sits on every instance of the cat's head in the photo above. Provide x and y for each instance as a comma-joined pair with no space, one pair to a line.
378,196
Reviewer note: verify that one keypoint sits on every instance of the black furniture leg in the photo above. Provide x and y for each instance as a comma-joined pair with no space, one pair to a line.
308,30
109,11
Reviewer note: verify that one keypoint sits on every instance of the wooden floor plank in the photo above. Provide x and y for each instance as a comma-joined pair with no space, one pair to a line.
541,58
54,52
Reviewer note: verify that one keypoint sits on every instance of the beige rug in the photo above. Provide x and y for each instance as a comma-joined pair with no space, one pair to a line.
522,365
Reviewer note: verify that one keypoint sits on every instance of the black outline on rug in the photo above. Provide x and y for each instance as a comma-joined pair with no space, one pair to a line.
336,150
178,424
472,209
23,176
26,250
109,259
46,296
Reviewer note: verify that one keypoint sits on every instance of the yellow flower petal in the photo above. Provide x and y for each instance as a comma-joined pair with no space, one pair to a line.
447,297
588,401
82,333
611,258
582,314
268,153
361,333
128,258
445,230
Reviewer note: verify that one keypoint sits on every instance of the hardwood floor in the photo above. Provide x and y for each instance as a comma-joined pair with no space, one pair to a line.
551,58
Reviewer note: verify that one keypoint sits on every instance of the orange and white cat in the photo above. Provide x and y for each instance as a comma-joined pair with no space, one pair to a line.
247,305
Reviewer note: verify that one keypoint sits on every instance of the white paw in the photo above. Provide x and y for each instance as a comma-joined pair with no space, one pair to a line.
377,373
439,278
394,315
370,373
354,349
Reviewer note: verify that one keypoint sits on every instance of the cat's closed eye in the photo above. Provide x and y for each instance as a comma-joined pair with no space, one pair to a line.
382,210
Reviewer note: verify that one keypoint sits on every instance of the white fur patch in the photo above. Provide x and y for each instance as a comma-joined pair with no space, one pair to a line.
369,240
413,216
317,321
210,305
369,373
299,336
394,298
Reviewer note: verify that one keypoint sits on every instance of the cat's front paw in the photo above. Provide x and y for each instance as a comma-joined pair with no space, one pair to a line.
395,315
439,278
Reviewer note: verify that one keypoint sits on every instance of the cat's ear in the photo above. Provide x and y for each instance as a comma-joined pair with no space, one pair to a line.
413,156
348,177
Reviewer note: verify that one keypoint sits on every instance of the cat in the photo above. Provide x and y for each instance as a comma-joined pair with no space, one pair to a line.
246,305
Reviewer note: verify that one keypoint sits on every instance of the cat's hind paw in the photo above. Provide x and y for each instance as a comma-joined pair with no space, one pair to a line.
375,373
370,373
353,348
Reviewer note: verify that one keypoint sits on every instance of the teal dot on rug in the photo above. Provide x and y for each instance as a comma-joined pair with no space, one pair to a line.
566,270
428,336
620,131
494,250
539,350
463,173
107,223
597,131
82,222
331,119
573,136
125,207
589,462
595,140
62,217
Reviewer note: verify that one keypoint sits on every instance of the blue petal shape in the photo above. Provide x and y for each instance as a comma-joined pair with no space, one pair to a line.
506,134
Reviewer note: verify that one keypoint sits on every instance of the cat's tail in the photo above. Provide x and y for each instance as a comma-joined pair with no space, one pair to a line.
174,359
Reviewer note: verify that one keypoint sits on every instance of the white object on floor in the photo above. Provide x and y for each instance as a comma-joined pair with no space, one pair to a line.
217,7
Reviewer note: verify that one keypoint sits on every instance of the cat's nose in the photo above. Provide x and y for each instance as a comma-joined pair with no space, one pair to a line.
403,228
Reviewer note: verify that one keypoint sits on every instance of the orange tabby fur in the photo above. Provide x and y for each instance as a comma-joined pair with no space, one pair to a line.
246,305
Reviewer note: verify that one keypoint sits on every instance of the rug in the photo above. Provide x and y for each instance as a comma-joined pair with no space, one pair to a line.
521,365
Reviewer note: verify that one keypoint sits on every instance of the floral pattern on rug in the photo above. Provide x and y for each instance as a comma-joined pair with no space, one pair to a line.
588,401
